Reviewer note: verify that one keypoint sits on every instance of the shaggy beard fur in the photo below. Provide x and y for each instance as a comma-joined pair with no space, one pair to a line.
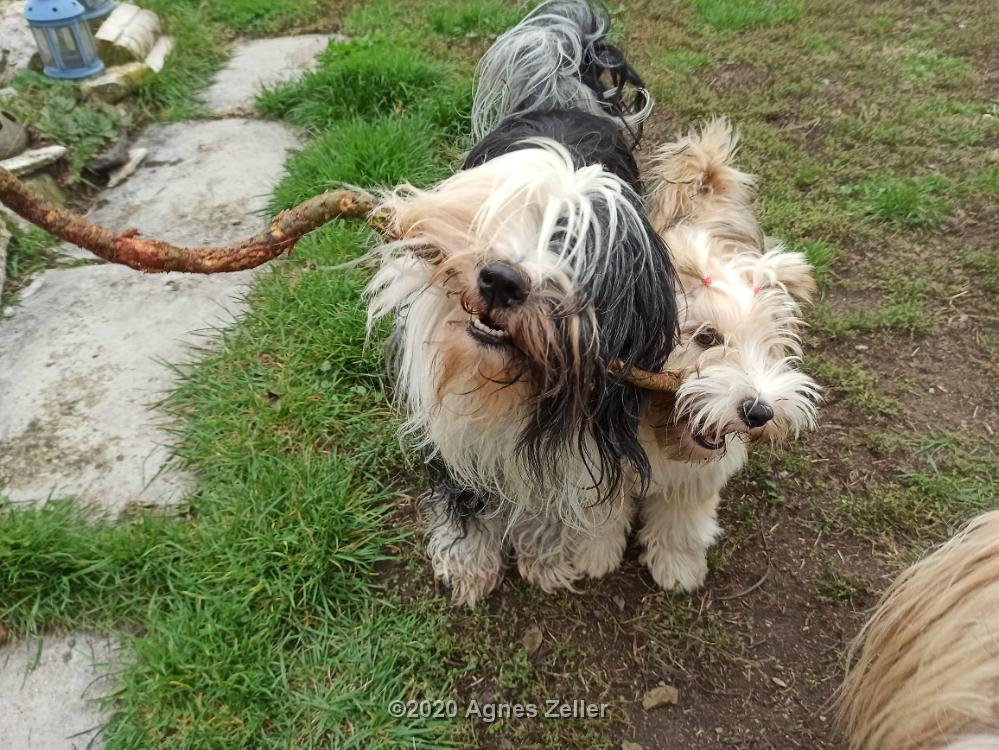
739,345
926,671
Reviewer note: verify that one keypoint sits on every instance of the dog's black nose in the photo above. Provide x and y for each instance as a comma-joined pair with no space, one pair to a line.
756,413
501,286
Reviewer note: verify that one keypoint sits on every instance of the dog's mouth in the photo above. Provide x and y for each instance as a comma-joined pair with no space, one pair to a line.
486,330
714,443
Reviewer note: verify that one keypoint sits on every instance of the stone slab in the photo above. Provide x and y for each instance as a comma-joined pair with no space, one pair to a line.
260,64
17,45
81,359
48,692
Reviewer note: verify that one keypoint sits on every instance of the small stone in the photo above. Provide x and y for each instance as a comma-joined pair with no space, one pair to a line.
861,347
619,602
778,682
660,696
931,391
629,745
156,58
532,639
135,158
33,160
117,82
8,312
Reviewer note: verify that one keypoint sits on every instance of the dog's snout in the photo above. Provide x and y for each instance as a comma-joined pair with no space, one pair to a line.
501,286
756,413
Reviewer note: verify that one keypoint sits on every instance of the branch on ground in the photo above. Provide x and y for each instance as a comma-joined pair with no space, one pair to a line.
155,256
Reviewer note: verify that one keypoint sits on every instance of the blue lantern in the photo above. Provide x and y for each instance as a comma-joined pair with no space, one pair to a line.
65,41
94,9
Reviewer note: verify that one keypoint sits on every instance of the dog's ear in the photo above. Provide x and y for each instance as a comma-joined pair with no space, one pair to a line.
695,169
786,270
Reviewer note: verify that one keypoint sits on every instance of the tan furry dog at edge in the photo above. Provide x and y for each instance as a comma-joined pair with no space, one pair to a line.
925,670
739,297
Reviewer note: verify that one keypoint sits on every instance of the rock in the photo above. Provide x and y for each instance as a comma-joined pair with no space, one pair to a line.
629,745
33,160
135,158
260,64
17,45
157,56
778,682
532,639
111,157
661,695
128,35
117,82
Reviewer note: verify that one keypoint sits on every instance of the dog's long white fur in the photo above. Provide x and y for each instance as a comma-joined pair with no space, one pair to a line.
529,207
536,64
926,664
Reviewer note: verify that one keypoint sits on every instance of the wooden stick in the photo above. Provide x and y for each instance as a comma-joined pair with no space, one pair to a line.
156,256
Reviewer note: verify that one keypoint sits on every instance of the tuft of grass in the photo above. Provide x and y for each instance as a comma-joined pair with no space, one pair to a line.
917,203
60,112
684,60
374,153
262,16
858,386
985,264
904,317
948,484
737,15
986,180
932,66
821,256
364,78
27,252
834,585
474,18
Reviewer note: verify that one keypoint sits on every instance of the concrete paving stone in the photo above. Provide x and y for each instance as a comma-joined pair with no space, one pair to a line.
260,64
17,45
81,359
49,690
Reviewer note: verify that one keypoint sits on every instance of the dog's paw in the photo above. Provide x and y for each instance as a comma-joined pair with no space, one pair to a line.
467,590
550,575
595,558
683,570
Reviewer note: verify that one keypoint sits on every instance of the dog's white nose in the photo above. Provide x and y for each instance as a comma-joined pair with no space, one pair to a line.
756,413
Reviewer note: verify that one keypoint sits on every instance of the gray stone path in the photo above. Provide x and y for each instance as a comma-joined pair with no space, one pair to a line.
81,364
16,43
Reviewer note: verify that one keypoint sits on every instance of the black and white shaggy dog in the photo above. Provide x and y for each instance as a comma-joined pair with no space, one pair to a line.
523,286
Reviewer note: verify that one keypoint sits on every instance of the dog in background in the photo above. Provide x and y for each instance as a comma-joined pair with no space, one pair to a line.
739,307
926,664
522,288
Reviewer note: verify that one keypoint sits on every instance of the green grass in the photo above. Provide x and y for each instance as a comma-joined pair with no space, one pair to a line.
59,111
857,385
916,203
473,18
737,15
684,60
821,256
365,78
379,152
27,252
902,317
932,66
947,483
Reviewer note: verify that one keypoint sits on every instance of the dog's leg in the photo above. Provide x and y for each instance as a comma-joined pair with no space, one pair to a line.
543,545
599,550
465,544
676,534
